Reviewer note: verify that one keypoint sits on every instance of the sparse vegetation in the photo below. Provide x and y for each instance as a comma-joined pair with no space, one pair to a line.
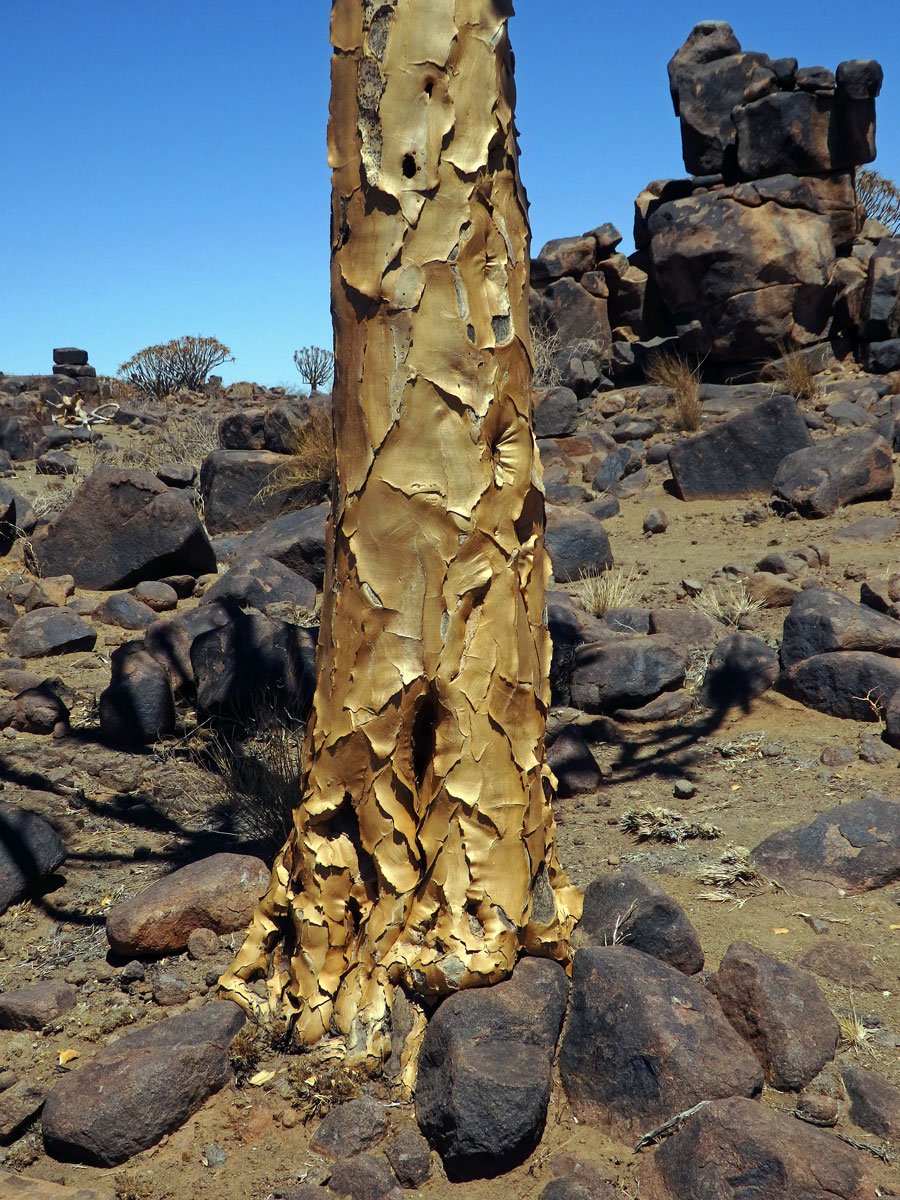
316,366
733,867
794,374
665,825
312,460
546,344
319,1080
728,603
880,199
600,591
855,1034
184,362
671,371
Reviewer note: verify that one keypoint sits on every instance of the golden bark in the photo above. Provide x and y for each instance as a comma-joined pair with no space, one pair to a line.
423,855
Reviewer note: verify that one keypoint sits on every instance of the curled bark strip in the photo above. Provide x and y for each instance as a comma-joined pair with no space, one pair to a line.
423,854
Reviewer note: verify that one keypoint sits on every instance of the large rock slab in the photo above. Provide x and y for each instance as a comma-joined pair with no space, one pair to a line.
218,893
742,278
256,580
485,1070
238,492
298,540
121,527
847,850
30,850
834,472
141,1087
854,684
630,907
780,1011
644,1042
739,457
822,621
803,133
49,631
880,310
738,1149
707,93
254,660
628,672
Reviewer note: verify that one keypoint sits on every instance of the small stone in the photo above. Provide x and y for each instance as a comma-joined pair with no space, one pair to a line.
684,789
817,1109
202,943
214,1155
350,1128
36,1004
836,756
656,521
169,989
410,1157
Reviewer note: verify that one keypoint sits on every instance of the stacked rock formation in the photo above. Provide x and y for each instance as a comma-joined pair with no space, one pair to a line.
764,248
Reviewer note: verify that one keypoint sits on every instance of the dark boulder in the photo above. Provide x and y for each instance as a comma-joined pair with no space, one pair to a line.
880,311
485,1070
854,684
49,631
822,621
739,457
626,671
350,1128
36,1004
803,133
35,710
30,850
629,907
644,1042
850,849
121,527
780,1011
256,580
740,669
125,611
576,543
298,540
821,479
874,1102
138,706
169,639
569,758
240,489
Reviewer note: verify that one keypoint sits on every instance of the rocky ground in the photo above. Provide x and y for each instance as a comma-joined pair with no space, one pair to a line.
101,954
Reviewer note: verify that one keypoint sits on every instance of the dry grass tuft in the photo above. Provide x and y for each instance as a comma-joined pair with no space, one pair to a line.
795,376
665,825
600,591
312,459
671,371
855,1034
733,867
319,1082
728,603
546,344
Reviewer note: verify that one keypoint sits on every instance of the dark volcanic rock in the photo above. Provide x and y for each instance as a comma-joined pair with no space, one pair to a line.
364,1177
122,527
741,456
35,710
738,1149
803,133
855,684
874,1102
410,1157
169,640
631,908
843,963
569,758
257,580
350,1128
236,491
485,1070
821,479
880,312
555,412
822,621
780,1011
47,631
740,669
644,1042
849,849
125,611
29,851
576,542
628,671
254,659
36,1004
297,540
141,1087
138,706
218,893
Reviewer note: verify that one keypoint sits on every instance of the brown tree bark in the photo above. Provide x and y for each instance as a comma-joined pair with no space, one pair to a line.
423,855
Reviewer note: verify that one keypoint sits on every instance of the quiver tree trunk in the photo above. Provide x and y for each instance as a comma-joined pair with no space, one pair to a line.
423,855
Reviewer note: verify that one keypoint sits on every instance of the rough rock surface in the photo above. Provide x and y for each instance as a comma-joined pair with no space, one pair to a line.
36,1004
30,850
626,672
46,631
822,621
821,479
856,684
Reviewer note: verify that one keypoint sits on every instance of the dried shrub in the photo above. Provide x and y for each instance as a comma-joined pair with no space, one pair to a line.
600,591
733,867
729,603
316,366
182,363
665,825
880,199
311,461
794,374
546,345
320,1082
671,371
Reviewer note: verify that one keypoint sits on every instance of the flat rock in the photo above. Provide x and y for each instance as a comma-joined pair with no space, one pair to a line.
822,621
218,893
739,457
844,963
485,1070
256,580
121,527
30,850
644,1041
629,907
49,631
626,672
847,850
874,1102
817,481
856,684
36,1004
780,1011
141,1087
736,1149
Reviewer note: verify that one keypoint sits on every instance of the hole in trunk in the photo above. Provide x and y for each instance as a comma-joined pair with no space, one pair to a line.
409,166
422,737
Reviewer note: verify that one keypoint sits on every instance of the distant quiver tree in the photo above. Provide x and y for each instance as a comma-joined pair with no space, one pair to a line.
880,198
184,362
316,366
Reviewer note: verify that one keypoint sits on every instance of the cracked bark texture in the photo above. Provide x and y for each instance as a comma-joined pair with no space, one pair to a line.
423,855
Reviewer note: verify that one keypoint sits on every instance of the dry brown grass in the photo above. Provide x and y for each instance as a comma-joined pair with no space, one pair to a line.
794,374
600,591
665,825
546,344
312,460
733,867
728,603
671,371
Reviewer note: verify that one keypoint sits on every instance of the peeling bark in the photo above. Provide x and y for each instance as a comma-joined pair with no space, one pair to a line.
423,854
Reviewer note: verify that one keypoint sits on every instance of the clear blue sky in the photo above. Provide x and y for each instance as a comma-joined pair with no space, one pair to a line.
164,164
